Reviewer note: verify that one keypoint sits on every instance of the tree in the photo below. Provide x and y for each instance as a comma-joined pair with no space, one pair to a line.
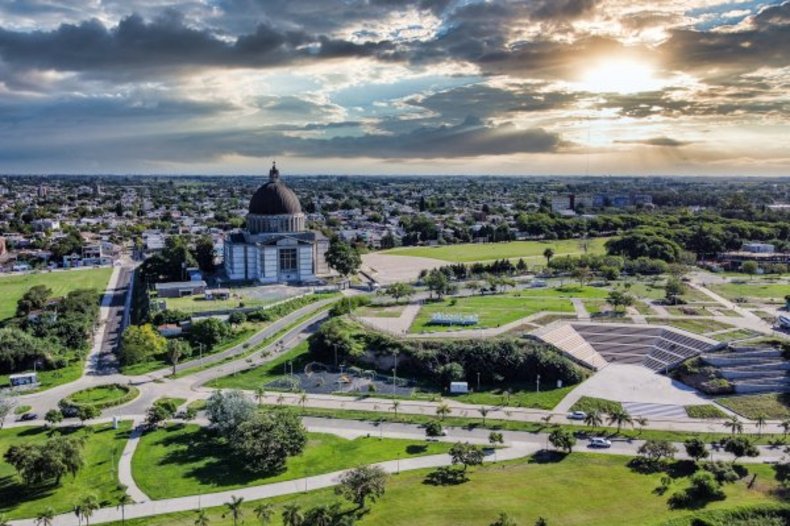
6,406
87,412
495,437
264,513
618,298
749,267
85,508
265,440
53,417
35,298
202,518
562,439
177,349
39,463
696,449
433,428
343,257
673,290
593,418
362,483
466,454
319,516
504,520
656,451
292,515
237,317
484,413
548,254
260,394
785,427
235,509
437,283
395,406
581,274
209,332
734,425
141,342
442,410
226,411
124,499
760,422
204,253
619,417
399,290
158,413
45,517
541,522
740,446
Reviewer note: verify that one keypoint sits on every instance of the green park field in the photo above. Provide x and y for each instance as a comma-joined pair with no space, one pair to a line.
579,490
99,475
62,282
469,252
499,309
187,459
771,292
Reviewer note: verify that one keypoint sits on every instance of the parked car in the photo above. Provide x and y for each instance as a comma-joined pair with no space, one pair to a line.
577,415
599,442
28,416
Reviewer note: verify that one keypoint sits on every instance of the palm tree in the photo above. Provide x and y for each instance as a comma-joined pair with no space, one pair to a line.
321,516
484,413
280,400
85,508
202,518
45,518
593,419
264,512
734,425
442,410
234,507
786,427
760,422
548,254
292,515
619,417
123,500
546,419
642,422
303,399
260,394
395,406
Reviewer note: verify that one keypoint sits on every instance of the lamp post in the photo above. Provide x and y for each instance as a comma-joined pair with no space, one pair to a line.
537,385
478,381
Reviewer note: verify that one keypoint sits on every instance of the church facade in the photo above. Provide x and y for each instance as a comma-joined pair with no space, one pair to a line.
275,247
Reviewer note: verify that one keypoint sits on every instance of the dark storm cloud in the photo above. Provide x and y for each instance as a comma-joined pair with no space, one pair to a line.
165,42
765,43
658,141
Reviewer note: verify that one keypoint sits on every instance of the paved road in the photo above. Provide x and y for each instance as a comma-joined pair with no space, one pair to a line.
517,445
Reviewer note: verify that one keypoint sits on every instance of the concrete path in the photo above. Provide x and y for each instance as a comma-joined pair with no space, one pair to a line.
636,316
581,310
399,325
125,463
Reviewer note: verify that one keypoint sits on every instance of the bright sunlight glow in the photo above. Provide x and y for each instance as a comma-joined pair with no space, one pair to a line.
619,76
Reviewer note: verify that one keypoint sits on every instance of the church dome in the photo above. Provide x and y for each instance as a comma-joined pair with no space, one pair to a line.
274,198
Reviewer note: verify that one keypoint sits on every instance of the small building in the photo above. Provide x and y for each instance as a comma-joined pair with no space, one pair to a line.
170,330
459,387
217,294
758,248
23,379
179,289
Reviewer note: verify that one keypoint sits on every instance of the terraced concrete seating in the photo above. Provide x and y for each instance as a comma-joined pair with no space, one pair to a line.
753,369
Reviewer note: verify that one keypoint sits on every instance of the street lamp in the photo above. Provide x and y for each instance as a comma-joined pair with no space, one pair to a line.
478,381
537,385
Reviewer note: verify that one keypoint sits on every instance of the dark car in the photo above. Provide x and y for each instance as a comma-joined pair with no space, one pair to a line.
28,416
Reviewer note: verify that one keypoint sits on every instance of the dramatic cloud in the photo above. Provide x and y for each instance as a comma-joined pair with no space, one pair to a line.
397,85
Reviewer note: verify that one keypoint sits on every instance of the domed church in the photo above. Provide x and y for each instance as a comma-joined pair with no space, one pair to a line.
275,247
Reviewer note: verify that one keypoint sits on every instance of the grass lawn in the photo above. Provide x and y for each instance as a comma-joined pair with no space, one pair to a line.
469,252
521,396
499,309
53,378
654,290
62,282
186,460
773,406
256,377
582,489
104,395
588,404
738,334
695,326
704,411
773,292
99,475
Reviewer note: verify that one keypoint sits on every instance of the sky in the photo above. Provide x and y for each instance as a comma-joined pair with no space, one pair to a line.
542,87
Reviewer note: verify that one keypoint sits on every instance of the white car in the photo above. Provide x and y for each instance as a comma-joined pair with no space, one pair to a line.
577,415
599,442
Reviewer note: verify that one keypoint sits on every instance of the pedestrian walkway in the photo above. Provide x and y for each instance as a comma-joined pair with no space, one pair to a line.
581,310
648,410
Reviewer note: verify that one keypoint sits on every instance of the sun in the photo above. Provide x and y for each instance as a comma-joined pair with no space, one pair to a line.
618,75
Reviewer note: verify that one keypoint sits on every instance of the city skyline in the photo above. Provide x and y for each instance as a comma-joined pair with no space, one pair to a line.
576,87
